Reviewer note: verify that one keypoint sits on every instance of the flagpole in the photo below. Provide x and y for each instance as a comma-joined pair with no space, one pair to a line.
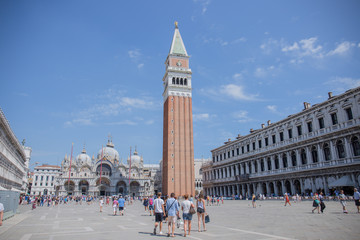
102,155
130,171
72,145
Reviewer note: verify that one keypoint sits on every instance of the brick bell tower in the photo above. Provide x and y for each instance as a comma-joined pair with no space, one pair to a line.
178,148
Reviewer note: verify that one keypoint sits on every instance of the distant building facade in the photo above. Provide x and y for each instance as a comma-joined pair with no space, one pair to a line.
106,174
44,179
303,153
14,158
198,163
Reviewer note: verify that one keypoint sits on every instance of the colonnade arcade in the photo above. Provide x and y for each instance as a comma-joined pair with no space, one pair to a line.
278,187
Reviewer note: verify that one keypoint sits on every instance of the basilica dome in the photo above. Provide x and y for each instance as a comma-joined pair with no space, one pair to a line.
83,158
109,152
135,158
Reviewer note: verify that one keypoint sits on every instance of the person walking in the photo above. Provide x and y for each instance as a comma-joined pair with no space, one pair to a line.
1,213
101,203
146,204
172,208
357,199
322,204
187,216
316,203
287,200
151,206
159,212
201,210
115,206
121,203
342,201
253,201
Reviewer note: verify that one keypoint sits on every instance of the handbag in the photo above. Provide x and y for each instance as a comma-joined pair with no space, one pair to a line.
192,210
207,218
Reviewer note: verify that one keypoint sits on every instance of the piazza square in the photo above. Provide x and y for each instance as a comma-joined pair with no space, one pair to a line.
235,219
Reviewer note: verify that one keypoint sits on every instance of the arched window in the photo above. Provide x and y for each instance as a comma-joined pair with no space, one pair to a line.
177,81
314,154
269,163
355,146
340,149
293,158
262,165
276,162
284,159
327,153
181,81
185,82
303,157
173,80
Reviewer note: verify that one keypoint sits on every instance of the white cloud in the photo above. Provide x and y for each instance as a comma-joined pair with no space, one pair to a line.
308,47
359,45
272,108
295,46
263,72
236,92
237,76
140,65
201,117
241,116
125,122
134,54
342,48
342,84
239,40
204,5
269,45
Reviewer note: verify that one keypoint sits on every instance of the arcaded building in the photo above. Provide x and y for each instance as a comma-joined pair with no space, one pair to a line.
315,149
178,147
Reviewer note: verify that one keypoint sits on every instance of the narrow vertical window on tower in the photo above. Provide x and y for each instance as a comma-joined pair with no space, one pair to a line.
178,109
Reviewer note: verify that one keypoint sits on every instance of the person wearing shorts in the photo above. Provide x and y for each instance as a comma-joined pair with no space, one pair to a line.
121,203
187,216
159,212
343,201
172,208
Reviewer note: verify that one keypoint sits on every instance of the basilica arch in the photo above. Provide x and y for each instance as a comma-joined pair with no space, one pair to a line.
134,188
83,187
121,188
69,187
104,186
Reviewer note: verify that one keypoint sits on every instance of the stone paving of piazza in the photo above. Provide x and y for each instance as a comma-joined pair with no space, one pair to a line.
232,220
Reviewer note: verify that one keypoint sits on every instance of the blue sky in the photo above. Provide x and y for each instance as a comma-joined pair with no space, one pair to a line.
77,71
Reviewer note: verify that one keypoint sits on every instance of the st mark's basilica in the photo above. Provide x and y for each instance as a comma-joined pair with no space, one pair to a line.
83,175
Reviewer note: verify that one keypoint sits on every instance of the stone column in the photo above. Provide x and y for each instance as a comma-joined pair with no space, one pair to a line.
237,189
333,150
243,190
288,159
308,155
283,187
253,166
320,151
267,188
237,169
281,164
313,186
241,169
272,159
227,171
275,189
348,152
246,168
232,170
326,186
292,186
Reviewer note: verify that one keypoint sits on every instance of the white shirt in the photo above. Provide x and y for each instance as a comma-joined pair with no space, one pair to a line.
186,206
1,207
158,203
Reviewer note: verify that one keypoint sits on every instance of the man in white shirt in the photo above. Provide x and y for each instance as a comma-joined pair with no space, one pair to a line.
159,212
1,213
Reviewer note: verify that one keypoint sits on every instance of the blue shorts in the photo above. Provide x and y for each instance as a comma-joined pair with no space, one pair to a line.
151,207
187,216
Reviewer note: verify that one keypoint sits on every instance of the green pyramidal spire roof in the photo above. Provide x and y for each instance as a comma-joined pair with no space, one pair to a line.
177,45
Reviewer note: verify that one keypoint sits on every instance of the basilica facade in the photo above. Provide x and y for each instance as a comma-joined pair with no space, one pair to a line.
317,149
105,175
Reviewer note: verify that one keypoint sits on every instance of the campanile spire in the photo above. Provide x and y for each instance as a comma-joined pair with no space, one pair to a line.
178,146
